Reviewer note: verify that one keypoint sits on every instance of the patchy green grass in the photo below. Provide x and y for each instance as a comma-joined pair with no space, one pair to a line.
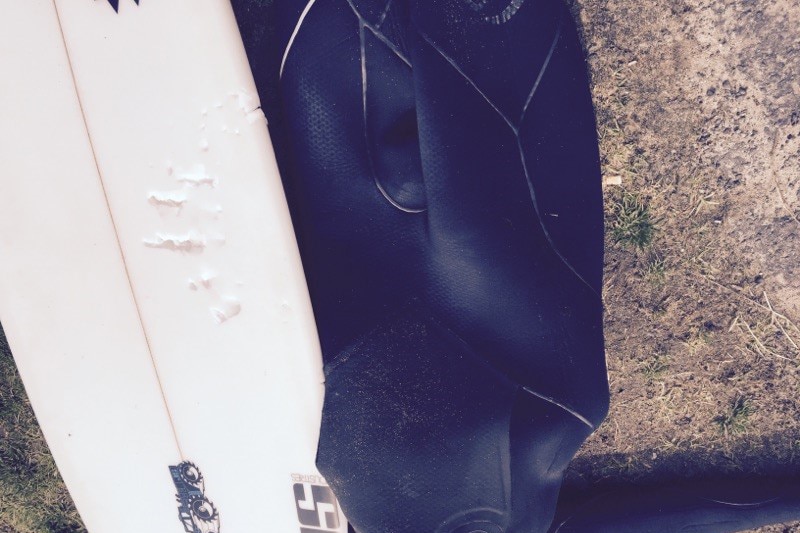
655,269
32,496
632,224
655,367
735,419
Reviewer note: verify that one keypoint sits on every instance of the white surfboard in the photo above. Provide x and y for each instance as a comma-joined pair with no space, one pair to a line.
150,285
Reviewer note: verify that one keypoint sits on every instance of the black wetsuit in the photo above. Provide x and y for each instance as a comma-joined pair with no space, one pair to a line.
441,164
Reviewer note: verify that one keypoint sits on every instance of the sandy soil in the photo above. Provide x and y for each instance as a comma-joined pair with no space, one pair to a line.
698,105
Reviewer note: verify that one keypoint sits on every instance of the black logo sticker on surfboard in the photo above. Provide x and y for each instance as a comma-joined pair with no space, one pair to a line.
317,508
195,510
115,4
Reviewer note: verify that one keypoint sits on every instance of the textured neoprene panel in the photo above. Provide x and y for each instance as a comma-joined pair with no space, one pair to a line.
441,162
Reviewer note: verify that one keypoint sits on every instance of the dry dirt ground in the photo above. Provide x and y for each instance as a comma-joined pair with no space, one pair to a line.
698,105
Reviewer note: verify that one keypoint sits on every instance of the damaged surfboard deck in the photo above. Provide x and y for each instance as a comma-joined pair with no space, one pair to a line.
150,285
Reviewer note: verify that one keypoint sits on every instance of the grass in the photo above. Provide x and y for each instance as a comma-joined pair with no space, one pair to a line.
655,269
632,224
655,367
32,496
735,419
